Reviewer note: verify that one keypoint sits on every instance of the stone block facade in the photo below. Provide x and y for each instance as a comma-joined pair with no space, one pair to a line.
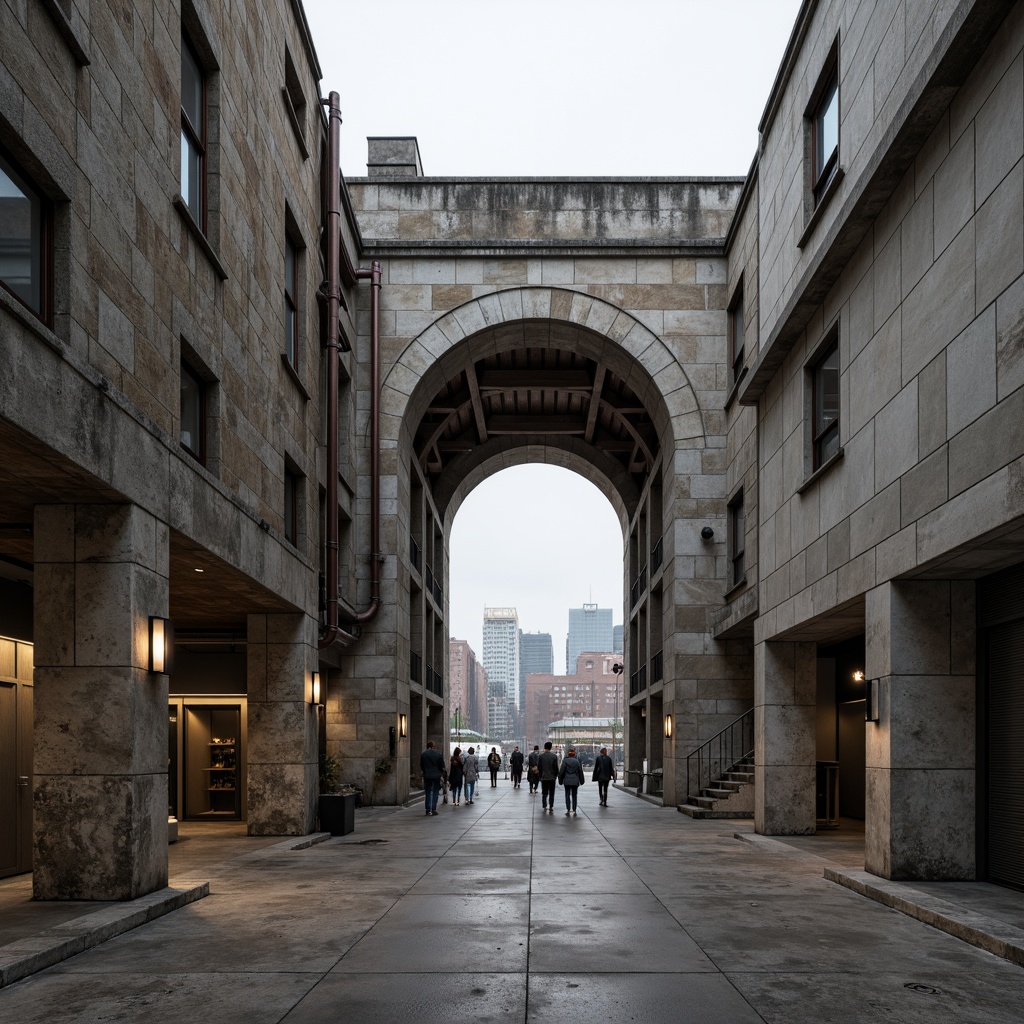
800,391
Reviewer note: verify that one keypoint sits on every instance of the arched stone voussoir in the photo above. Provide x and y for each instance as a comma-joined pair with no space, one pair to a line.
500,321
468,470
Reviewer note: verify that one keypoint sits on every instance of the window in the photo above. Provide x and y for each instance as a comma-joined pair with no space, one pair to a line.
737,535
824,118
292,488
825,405
193,133
291,302
25,241
295,103
736,326
193,414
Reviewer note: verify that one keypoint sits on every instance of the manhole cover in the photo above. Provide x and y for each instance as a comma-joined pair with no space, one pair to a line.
925,990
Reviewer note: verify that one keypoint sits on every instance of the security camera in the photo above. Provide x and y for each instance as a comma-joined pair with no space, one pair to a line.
707,533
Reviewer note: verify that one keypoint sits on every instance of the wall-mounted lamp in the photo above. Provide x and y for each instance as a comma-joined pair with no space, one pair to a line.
858,676
403,726
871,701
668,727
707,533
161,645
316,687
643,710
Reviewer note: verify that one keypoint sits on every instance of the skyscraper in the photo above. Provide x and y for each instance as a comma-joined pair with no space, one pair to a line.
617,639
590,629
501,652
536,654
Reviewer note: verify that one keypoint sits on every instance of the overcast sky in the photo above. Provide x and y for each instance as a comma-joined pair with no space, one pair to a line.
536,88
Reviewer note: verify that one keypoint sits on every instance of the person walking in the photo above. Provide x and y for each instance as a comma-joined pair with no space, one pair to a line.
470,774
432,766
516,764
604,772
548,764
455,775
493,764
570,775
533,769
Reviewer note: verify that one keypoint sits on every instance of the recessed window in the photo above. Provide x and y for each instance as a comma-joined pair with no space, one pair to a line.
193,133
292,489
737,541
736,340
295,102
291,302
824,119
192,432
825,405
25,240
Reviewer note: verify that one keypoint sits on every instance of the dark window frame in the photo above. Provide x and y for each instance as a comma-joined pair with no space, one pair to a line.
42,240
197,135
821,437
735,312
823,167
737,541
199,454
292,490
291,300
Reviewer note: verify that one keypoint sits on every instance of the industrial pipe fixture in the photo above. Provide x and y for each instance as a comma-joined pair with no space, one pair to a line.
332,633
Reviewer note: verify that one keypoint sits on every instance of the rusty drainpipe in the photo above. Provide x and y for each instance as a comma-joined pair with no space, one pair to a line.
333,633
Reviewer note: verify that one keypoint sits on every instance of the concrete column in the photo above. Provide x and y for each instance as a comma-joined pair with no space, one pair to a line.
920,810
282,756
100,829
785,695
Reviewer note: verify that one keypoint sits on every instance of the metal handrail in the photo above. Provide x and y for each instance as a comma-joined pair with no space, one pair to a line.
720,754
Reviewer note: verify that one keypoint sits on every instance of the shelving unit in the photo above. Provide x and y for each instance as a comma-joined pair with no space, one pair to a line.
212,762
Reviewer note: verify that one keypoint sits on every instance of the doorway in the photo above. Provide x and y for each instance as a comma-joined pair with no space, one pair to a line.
15,757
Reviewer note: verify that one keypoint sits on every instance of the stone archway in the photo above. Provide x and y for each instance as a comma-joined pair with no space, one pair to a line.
640,433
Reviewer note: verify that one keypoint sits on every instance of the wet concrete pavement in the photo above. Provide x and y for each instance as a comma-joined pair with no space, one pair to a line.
498,913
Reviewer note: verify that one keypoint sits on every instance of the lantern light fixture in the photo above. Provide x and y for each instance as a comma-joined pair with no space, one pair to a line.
668,727
316,688
161,645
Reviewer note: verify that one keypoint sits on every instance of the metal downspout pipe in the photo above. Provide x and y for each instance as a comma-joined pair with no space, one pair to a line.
332,633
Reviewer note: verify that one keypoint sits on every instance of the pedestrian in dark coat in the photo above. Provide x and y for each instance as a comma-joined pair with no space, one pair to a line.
533,770
604,772
470,773
455,775
516,764
548,763
570,775
493,764
432,766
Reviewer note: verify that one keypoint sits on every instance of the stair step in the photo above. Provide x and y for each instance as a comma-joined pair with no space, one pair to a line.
693,811
718,794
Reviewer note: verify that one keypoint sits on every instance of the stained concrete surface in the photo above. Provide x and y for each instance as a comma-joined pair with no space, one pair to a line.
498,913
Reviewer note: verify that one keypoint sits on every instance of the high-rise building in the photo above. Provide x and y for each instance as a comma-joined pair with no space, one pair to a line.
536,654
467,687
592,690
617,639
501,654
590,629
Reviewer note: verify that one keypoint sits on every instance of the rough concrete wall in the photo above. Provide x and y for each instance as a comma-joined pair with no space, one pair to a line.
883,47
134,288
929,315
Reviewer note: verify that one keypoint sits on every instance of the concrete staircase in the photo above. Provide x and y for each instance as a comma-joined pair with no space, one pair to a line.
730,795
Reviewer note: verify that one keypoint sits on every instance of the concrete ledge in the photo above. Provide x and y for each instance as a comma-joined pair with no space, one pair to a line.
978,929
36,952
305,842
769,845
655,800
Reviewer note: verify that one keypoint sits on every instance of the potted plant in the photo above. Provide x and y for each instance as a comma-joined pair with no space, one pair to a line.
337,810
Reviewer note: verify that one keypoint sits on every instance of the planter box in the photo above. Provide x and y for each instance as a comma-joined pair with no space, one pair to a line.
338,813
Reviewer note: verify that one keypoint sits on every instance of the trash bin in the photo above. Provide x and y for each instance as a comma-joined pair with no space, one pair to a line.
338,813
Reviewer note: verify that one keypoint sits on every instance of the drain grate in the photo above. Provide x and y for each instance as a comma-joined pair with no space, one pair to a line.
369,842
925,990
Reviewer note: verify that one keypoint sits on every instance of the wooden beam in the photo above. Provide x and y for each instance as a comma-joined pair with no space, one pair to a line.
438,430
595,403
631,430
535,380
478,406
536,425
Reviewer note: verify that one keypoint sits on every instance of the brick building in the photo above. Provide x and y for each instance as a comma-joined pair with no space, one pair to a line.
594,690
